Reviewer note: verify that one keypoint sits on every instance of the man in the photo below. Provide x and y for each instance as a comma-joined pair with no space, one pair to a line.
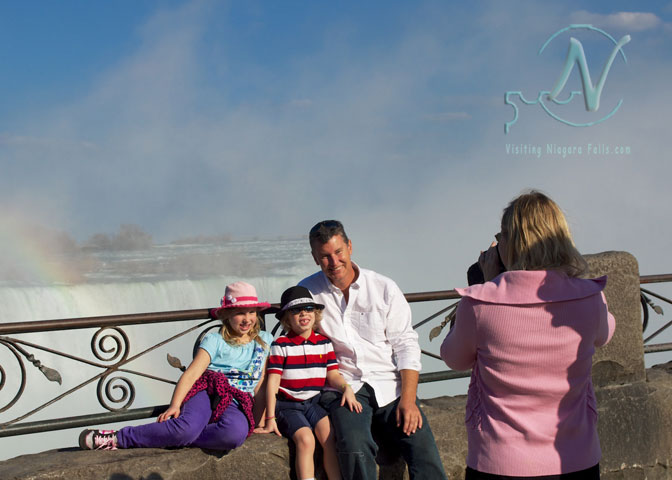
369,322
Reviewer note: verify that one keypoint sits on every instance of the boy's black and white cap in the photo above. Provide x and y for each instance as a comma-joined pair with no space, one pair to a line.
295,297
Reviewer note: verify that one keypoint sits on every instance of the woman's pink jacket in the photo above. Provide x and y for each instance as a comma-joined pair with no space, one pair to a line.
529,337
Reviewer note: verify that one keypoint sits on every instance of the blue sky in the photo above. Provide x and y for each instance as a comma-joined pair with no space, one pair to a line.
260,118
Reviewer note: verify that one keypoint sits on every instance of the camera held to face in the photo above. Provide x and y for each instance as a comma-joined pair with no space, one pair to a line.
475,272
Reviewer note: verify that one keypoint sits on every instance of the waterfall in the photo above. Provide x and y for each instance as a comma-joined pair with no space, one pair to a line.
164,278
21,304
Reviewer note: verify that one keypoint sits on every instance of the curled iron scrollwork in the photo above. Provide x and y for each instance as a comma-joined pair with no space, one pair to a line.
3,377
118,351
115,390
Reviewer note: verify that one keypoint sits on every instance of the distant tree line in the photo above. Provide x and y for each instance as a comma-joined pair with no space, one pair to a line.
130,237
203,240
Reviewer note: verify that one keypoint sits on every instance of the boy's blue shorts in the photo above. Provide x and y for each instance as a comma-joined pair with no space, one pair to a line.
291,415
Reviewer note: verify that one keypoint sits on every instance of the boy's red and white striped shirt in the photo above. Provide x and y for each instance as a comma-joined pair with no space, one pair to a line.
302,364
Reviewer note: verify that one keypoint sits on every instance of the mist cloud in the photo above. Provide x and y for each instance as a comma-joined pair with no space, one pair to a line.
401,138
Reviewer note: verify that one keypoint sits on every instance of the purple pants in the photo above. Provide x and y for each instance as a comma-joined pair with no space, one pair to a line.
190,429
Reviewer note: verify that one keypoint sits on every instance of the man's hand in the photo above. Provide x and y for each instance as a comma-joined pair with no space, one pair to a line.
408,417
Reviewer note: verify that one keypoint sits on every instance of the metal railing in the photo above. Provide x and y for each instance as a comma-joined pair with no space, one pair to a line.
111,349
648,304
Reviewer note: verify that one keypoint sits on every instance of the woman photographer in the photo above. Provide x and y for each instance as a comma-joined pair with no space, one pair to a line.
529,334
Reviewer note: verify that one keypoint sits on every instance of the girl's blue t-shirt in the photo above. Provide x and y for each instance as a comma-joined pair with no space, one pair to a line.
242,364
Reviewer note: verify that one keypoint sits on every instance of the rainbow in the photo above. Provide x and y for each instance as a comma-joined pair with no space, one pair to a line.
27,259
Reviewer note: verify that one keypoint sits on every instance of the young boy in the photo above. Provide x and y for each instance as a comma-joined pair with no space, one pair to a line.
299,365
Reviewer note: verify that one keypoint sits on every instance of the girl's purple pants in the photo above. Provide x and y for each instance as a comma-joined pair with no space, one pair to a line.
190,429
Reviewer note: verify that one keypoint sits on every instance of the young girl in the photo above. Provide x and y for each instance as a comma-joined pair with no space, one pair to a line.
212,403
298,367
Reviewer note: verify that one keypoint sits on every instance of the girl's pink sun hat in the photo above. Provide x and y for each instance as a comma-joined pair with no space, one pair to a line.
240,295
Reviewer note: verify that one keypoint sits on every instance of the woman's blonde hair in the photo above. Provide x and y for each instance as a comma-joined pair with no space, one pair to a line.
287,327
538,237
227,334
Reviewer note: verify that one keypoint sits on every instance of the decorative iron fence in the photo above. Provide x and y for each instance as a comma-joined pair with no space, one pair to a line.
111,351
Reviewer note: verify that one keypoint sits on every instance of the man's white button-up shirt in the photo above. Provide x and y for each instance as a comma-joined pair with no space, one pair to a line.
372,334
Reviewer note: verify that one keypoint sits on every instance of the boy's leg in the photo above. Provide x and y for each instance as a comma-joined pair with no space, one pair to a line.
229,432
293,423
305,449
355,446
419,449
175,432
325,436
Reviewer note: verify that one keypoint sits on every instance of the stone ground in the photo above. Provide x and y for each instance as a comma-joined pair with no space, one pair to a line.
635,429
261,457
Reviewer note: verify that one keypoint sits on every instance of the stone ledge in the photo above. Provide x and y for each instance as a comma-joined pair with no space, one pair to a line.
635,429
261,456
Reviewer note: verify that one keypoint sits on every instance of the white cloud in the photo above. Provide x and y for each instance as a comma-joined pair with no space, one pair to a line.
629,21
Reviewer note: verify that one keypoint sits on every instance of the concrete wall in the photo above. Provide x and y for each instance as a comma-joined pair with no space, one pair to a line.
635,426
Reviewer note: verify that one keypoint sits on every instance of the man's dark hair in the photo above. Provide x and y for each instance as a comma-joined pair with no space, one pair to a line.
324,230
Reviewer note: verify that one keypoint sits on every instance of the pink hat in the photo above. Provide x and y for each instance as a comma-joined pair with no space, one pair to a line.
240,295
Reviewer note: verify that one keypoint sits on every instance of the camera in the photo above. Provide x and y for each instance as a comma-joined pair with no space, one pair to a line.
475,274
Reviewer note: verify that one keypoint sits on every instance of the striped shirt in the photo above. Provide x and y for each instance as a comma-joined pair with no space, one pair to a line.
302,364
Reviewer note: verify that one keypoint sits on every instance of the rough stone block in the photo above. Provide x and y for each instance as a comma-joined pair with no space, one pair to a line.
261,456
622,360
635,427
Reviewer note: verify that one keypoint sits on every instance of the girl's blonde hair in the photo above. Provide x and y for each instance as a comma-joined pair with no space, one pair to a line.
285,320
538,237
227,334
